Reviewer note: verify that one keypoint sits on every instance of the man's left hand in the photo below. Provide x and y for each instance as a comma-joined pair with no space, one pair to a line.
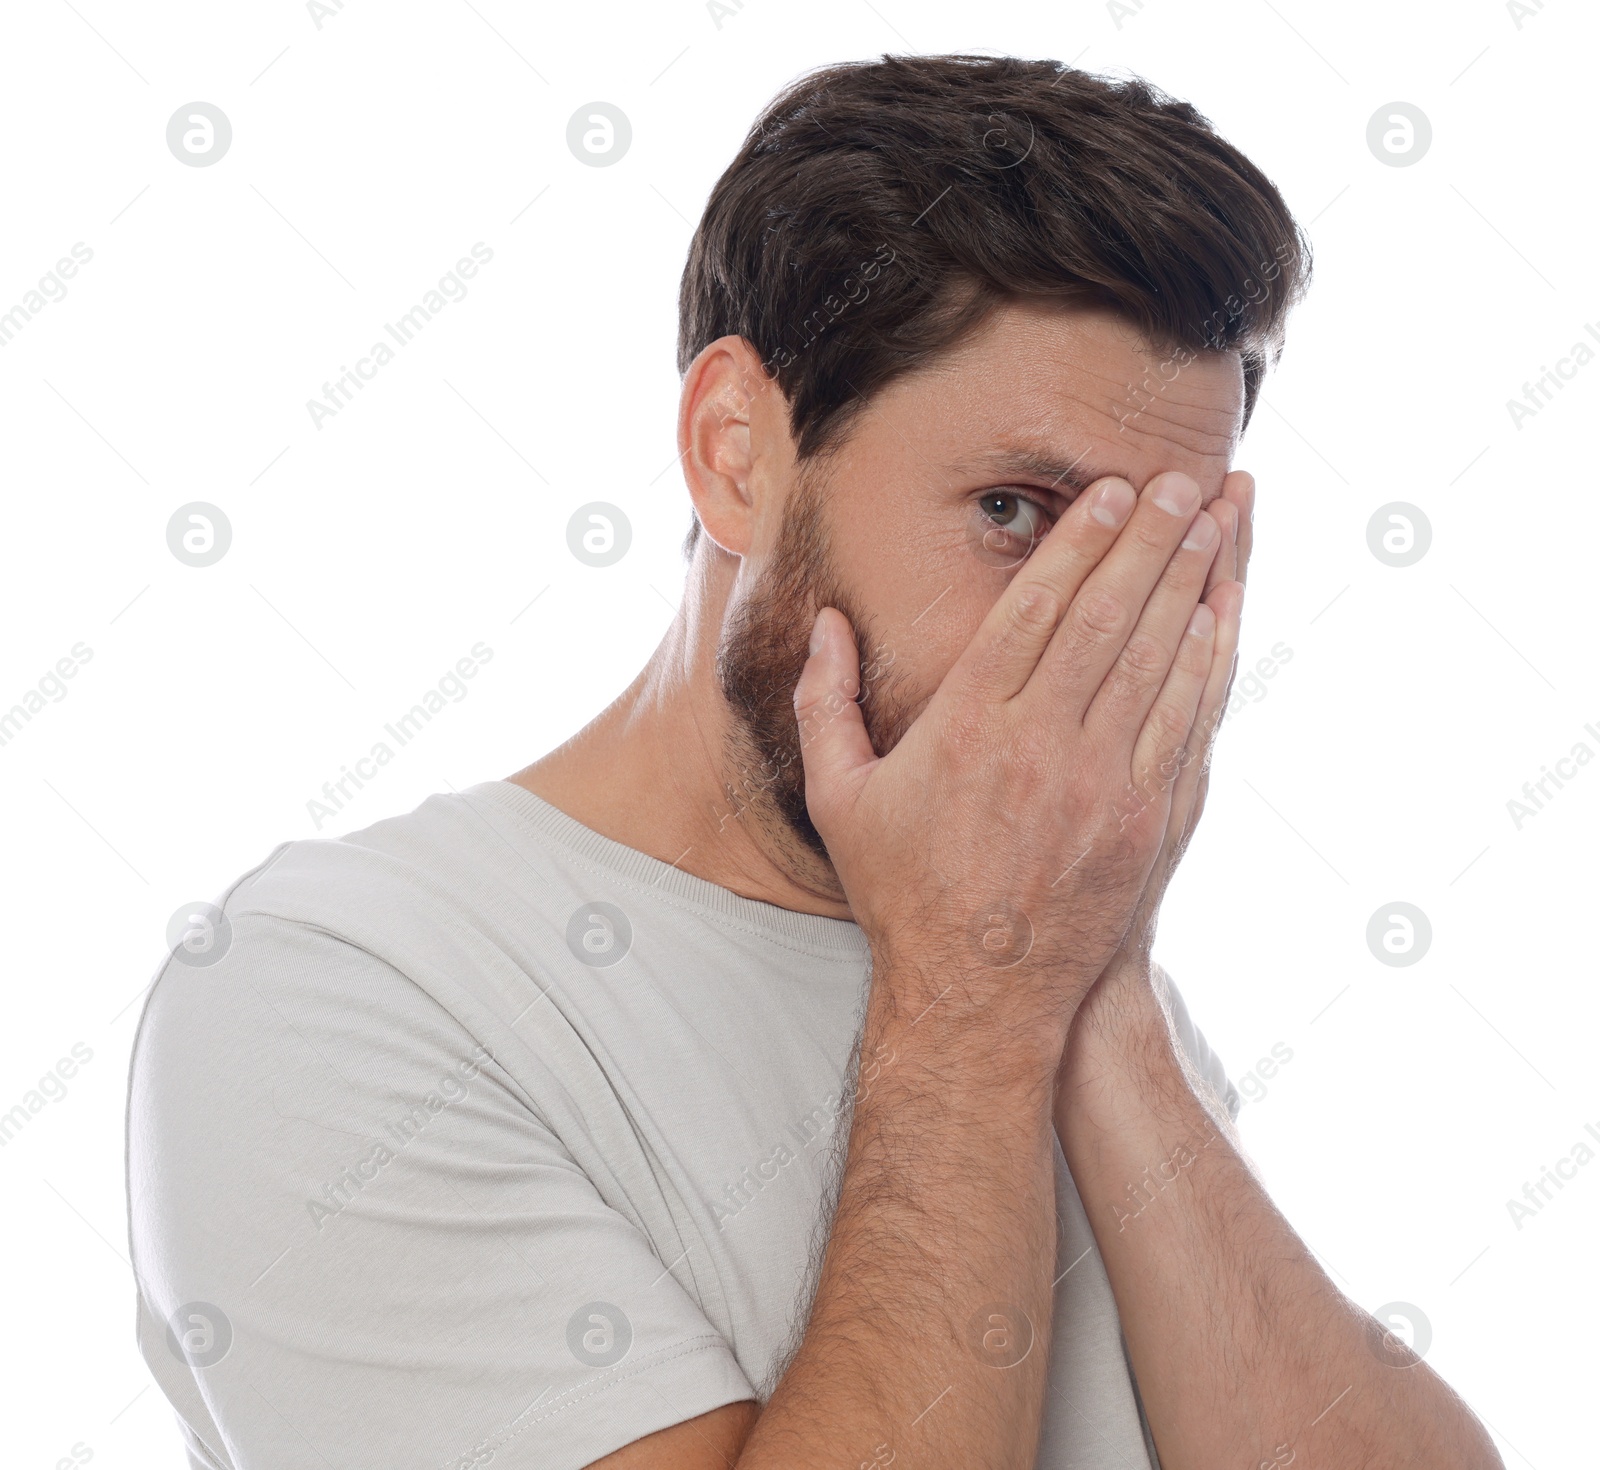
1125,987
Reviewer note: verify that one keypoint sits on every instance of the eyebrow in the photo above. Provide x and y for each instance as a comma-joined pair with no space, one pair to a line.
1075,476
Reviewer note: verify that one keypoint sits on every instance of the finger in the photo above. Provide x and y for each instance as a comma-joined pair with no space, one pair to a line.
1240,488
834,746
1226,515
1159,753
1137,676
1006,649
1095,629
1226,602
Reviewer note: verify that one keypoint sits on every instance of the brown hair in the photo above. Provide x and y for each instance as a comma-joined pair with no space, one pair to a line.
878,211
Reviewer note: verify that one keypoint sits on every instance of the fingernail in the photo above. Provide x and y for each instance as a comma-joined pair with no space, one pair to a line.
1113,503
1178,494
816,633
1203,621
1201,533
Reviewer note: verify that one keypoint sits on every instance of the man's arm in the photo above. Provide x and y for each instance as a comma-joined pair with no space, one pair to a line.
985,863
928,1339
1245,1352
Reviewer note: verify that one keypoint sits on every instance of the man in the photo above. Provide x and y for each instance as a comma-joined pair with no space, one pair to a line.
776,1074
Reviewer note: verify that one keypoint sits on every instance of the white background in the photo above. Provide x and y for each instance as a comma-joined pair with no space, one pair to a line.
372,553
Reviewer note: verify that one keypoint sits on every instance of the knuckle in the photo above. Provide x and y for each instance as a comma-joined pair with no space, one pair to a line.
1177,754
1037,608
1143,836
1166,736
1145,656
1181,718
1202,736
1124,843
1033,746
1099,612
814,705
1154,536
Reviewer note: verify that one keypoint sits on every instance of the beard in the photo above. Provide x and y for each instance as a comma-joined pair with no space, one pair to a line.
763,651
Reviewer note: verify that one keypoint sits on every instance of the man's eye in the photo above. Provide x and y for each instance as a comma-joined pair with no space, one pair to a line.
1016,512
1013,524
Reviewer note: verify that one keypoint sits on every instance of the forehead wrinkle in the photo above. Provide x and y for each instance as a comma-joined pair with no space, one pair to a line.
1085,457
1073,414
1146,378
1165,421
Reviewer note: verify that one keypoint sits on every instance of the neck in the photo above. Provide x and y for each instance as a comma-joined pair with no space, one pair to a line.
651,770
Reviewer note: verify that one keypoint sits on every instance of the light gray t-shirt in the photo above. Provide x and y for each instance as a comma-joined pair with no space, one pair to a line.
491,1140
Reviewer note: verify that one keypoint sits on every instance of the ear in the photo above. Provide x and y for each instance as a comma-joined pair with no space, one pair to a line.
732,420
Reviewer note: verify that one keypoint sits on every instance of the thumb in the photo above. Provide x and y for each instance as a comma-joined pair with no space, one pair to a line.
833,737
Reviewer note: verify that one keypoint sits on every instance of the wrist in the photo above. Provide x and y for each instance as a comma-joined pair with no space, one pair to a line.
1124,1018
1120,1051
970,1022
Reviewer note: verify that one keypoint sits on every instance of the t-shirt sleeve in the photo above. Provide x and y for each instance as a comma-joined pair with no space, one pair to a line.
1206,1061
357,1243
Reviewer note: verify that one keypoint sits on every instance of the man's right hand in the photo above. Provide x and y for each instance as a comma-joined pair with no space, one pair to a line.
1016,821
1025,805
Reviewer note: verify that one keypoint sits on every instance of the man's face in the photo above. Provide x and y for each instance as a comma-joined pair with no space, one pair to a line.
947,480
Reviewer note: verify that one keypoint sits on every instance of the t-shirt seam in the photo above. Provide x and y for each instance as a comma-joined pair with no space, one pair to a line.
138,1034
243,891
683,903
501,1076
704,1343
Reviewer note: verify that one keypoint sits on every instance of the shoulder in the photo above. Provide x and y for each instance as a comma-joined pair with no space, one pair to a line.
343,1182
384,926
319,978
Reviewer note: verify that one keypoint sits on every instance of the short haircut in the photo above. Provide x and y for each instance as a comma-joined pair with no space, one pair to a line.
878,211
